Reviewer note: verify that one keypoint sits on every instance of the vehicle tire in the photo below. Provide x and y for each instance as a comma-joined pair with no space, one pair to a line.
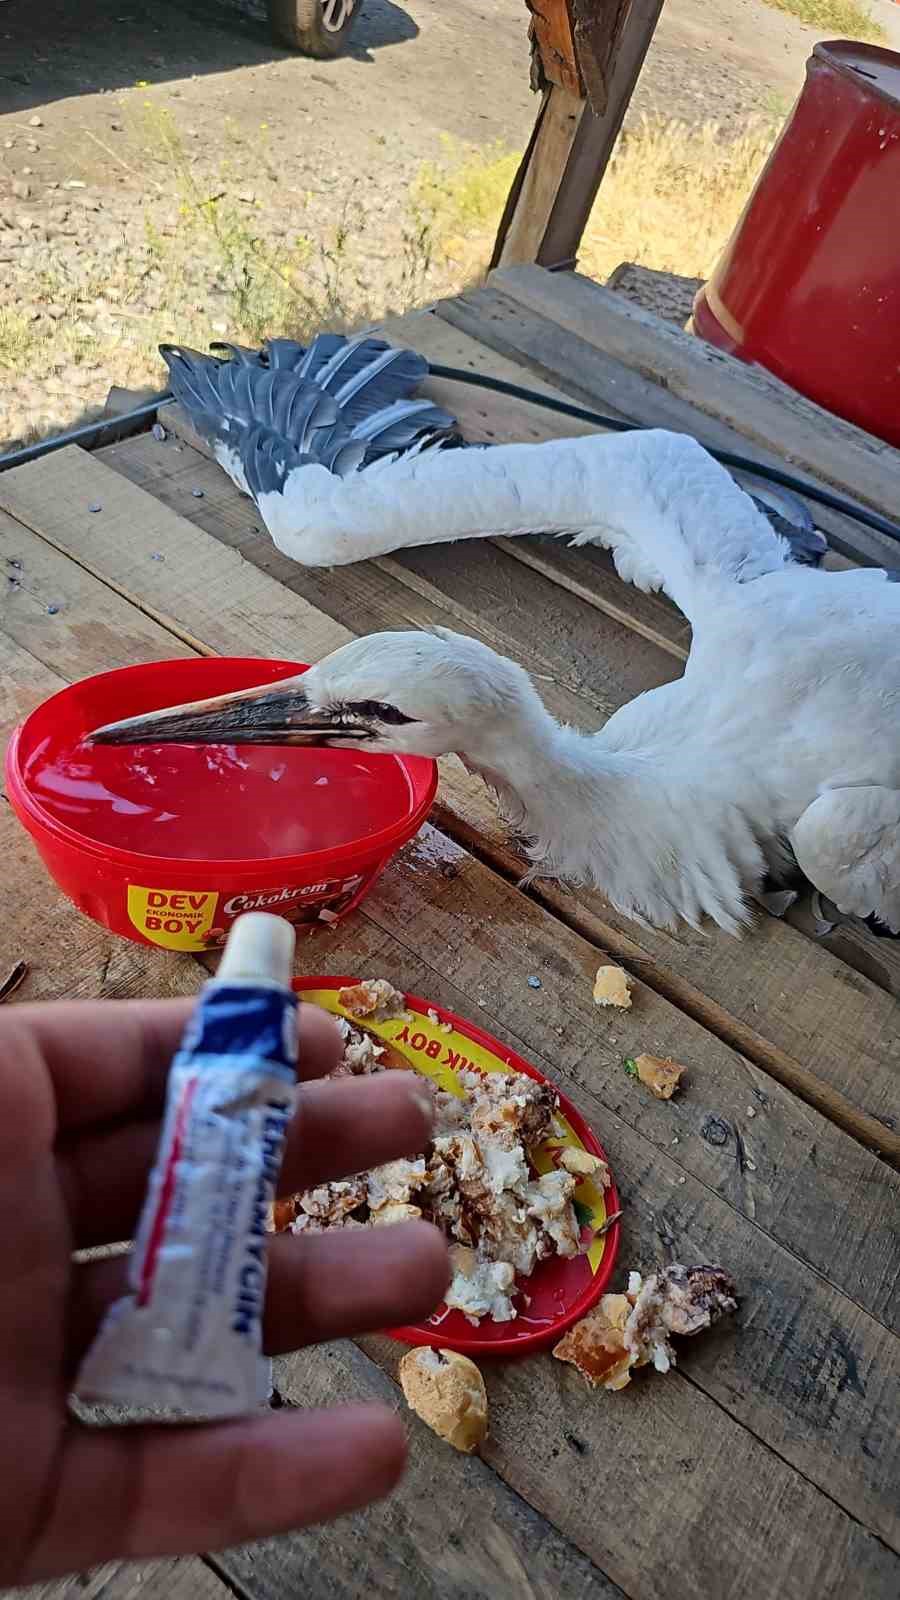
316,27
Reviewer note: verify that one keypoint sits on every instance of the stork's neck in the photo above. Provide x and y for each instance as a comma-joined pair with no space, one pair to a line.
554,782
631,822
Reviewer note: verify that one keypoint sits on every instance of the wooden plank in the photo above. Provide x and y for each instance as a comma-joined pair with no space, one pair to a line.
578,1456
589,574
450,929
186,1578
466,946
597,379
600,660
746,398
778,999
53,497
551,31
611,41
54,609
617,67
827,1034
554,188
539,177
484,417
496,418
70,957
451,1529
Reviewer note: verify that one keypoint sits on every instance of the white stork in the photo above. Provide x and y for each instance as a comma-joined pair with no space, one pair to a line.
778,748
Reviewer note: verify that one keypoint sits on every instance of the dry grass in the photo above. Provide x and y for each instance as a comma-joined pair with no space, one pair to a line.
840,19
670,199
208,261
202,258
18,340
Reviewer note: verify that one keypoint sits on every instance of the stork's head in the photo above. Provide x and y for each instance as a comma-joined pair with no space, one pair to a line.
412,693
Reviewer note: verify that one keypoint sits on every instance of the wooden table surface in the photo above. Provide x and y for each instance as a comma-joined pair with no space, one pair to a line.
767,1465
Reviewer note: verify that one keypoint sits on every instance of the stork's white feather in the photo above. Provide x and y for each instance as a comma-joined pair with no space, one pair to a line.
848,844
651,497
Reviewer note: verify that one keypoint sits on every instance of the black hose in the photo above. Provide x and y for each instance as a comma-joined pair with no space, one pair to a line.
811,491
118,427
107,429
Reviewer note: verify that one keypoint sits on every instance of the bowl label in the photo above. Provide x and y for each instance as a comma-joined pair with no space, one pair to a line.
199,919
177,919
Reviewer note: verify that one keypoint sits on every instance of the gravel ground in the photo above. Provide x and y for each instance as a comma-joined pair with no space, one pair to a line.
164,170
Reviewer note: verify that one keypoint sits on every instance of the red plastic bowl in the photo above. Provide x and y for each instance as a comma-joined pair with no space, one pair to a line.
560,1290
95,811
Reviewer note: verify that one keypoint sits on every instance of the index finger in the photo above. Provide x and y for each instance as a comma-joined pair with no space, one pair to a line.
110,1058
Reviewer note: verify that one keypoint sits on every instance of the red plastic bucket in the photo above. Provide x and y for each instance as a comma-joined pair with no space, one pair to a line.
85,806
809,284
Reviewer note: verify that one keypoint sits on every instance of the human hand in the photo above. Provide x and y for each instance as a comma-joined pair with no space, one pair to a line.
81,1091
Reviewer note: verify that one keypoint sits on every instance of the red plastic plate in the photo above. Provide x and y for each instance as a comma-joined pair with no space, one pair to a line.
560,1291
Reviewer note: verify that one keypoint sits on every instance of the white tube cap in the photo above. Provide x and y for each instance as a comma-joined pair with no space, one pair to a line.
260,949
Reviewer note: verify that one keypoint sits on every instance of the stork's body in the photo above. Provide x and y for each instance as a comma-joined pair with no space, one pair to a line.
779,745
758,755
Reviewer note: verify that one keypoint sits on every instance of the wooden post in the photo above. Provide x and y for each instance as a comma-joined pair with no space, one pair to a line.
554,189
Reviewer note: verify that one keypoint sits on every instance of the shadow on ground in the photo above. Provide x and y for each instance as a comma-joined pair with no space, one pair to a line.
64,48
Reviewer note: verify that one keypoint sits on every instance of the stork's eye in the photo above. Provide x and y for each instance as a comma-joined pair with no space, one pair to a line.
377,711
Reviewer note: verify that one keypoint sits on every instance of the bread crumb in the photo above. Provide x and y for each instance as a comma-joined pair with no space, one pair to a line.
659,1074
612,988
584,1165
395,1211
447,1391
375,998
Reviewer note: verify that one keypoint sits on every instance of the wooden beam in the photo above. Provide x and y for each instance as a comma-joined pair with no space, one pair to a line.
542,170
553,42
557,181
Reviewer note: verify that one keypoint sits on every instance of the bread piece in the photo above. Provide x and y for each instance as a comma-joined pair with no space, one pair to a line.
375,998
480,1288
584,1165
447,1391
395,1211
331,1202
612,988
659,1074
395,1182
596,1344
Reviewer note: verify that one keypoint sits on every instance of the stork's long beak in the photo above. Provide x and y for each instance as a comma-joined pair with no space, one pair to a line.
276,714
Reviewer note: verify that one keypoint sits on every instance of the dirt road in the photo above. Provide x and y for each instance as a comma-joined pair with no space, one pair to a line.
117,118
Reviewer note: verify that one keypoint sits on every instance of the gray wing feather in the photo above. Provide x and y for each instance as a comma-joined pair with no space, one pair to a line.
351,357
341,403
397,425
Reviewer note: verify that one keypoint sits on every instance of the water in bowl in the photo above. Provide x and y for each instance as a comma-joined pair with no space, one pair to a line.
217,802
